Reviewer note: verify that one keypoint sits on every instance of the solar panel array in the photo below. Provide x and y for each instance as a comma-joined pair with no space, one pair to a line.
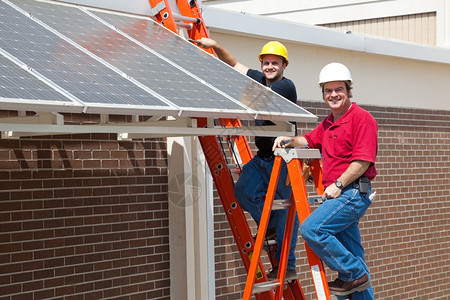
103,62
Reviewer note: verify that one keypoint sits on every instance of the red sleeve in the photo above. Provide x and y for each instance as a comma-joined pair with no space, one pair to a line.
365,138
315,137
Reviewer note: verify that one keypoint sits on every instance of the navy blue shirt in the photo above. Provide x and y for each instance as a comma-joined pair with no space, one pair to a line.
284,87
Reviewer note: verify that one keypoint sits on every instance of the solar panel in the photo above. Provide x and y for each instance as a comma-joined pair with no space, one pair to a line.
116,62
68,67
201,64
18,88
184,91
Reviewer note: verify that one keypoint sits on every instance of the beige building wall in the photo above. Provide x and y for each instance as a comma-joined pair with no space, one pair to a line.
416,28
379,79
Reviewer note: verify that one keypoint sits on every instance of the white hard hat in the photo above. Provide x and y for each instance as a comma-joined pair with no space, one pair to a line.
335,72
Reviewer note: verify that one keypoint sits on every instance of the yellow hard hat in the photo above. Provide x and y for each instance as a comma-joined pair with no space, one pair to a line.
275,48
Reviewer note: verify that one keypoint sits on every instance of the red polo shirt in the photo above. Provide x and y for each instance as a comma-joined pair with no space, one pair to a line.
352,137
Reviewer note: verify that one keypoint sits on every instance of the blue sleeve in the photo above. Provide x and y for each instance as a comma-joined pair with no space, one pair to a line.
256,75
285,88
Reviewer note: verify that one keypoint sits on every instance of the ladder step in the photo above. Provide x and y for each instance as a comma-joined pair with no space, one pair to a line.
334,297
235,168
268,245
285,203
265,286
281,204
269,242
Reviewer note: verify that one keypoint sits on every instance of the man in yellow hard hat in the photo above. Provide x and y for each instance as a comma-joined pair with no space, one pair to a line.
253,182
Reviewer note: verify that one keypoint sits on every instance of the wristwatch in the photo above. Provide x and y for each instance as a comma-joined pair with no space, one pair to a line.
339,184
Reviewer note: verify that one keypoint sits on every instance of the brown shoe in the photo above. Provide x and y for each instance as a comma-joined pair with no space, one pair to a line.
342,288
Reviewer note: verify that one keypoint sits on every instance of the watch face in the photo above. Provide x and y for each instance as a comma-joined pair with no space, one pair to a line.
338,183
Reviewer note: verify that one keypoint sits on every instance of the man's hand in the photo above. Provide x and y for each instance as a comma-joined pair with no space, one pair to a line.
205,43
289,141
281,142
331,192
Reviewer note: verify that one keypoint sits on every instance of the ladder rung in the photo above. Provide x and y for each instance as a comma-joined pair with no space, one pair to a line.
285,203
334,297
265,286
231,166
281,204
188,26
269,242
187,19
235,168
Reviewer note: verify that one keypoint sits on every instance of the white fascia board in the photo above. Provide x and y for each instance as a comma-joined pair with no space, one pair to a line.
224,21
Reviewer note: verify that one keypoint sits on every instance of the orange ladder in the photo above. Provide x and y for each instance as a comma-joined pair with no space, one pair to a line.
192,20
299,203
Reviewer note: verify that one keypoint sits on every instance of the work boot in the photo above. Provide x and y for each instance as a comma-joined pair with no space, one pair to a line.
341,288
291,274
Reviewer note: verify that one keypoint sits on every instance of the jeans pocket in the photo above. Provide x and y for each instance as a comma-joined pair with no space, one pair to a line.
361,205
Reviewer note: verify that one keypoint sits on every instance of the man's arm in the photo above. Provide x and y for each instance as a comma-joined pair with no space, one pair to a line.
355,170
223,54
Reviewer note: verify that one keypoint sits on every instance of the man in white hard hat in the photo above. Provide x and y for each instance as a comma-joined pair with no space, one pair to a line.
347,139
253,182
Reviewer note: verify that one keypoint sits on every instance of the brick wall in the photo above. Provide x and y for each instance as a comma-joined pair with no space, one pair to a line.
85,216
406,231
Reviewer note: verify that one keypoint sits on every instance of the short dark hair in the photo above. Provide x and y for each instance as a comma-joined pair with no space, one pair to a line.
347,85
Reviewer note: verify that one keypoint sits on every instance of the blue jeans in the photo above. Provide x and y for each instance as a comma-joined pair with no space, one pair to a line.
249,191
333,234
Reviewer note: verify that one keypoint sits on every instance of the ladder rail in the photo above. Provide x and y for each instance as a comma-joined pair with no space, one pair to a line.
282,264
190,9
233,211
303,211
163,14
263,223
